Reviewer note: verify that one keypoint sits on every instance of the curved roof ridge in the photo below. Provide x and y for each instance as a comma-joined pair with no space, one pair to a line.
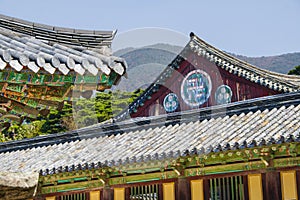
69,36
292,79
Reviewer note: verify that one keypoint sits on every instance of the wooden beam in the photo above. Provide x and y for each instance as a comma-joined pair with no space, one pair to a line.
69,90
38,96
84,86
12,117
19,107
39,102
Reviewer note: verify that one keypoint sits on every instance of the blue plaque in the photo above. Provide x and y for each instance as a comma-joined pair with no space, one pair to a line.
196,88
171,102
223,94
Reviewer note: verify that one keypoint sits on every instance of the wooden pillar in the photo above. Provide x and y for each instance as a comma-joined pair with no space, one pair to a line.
255,187
119,193
206,188
160,191
246,187
271,185
94,195
298,182
127,193
197,190
183,189
288,185
168,191
108,193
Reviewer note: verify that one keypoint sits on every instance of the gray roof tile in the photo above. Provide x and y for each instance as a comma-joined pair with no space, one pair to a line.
268,121
30,44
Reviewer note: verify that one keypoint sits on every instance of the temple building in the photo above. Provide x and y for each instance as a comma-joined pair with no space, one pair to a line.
43,66
203,76
210,127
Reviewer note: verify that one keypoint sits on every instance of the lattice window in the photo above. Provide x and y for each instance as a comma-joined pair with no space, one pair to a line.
145,192
227,188
76,196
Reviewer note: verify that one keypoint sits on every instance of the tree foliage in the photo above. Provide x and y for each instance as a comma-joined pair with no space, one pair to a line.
81,113
295,71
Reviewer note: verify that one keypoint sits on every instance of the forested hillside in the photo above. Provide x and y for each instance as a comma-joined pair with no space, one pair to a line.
280,63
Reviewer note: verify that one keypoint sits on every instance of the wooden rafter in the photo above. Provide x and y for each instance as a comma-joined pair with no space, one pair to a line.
19,107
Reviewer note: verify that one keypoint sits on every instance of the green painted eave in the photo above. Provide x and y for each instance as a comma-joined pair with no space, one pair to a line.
44,79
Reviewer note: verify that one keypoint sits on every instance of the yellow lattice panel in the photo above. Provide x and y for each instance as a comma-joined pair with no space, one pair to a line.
255,187
197,190
168,191
288,185
119,193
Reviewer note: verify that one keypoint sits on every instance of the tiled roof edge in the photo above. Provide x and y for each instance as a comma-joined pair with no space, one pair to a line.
173,155
236,108
241,68
87,38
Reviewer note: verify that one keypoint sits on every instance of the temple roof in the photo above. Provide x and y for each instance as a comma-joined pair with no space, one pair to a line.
245,124
41,65
54,49
275,81
272,80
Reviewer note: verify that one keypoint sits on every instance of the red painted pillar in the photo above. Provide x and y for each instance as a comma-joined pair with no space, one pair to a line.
108,193
183,190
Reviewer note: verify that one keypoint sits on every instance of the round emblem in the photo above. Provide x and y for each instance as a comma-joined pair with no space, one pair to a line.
196,88
223,94
171,102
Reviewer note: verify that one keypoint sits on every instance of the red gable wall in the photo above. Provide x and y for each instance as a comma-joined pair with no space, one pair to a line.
241,88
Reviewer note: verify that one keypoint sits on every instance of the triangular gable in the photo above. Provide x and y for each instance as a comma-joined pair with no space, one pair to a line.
202,76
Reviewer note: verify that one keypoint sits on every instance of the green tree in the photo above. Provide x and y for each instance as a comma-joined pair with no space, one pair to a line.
295,71
53,123
17,132
81,113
